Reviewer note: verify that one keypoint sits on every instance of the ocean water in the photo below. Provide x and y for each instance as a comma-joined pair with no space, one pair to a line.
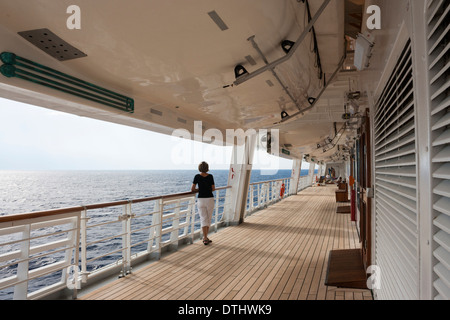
30,191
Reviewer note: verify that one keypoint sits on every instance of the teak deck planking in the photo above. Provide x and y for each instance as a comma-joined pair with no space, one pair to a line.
279,253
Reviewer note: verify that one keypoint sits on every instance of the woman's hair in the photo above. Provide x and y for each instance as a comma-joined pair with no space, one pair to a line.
203,167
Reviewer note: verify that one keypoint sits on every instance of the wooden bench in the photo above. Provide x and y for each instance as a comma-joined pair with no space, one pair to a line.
343,186
342,196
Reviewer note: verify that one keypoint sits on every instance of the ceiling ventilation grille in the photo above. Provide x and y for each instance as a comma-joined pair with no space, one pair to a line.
51,44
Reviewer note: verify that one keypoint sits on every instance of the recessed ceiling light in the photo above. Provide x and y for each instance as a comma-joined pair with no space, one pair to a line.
218,20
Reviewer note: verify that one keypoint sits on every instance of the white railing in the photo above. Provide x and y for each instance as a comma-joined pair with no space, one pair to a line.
48,251
262,194
265,193
305,182
36,247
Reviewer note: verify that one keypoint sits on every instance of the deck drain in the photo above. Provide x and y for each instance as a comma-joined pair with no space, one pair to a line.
53,45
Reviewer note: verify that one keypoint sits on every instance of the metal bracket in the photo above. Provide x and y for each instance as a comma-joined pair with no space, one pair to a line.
272,65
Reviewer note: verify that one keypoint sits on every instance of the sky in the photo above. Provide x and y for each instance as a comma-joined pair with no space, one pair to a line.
35,138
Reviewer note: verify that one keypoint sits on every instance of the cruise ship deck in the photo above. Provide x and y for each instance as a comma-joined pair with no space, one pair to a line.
279,253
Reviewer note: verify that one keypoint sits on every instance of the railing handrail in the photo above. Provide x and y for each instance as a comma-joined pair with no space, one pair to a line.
259,182
52,212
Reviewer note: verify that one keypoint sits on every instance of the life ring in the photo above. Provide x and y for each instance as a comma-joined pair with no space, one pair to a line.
282,190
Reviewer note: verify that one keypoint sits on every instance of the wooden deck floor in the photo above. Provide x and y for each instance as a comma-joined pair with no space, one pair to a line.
278,253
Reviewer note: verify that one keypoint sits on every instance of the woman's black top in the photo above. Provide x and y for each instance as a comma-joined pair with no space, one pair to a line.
204,185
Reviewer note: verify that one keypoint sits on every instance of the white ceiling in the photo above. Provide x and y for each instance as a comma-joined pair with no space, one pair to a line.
178,65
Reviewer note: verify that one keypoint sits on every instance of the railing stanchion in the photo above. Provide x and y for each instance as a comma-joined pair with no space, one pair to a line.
216,209
21,289
83,244
192,217
158,229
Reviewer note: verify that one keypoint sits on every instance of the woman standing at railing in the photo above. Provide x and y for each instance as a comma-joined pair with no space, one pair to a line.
205,200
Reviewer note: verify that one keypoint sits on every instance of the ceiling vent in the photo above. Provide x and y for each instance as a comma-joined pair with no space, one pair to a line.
51,44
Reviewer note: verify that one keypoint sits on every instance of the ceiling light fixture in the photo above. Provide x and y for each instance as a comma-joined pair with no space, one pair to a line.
311,100
239,71
218,20
287,45
284,114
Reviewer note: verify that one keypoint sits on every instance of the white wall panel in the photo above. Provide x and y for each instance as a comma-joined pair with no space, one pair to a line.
438,34
396,216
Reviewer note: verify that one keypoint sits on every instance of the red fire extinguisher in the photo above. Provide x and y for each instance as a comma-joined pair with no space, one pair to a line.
282,190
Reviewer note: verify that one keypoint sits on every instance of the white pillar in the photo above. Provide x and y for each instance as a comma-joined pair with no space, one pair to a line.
312,168
295,175
239,179
320,170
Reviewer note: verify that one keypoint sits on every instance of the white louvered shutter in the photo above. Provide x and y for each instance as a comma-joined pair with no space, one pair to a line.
396,237
438,35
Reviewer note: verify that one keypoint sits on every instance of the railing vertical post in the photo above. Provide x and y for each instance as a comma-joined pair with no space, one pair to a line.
83,231
269,193
258,190
152,235
274,193
216,209
158,229
227,204
73,252
126,240
188,217
247,202
77,253
252,194
21,290
192,216
174,235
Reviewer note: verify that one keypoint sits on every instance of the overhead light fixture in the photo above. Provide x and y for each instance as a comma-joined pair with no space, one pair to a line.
287,45
239,71
311,100
354,95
